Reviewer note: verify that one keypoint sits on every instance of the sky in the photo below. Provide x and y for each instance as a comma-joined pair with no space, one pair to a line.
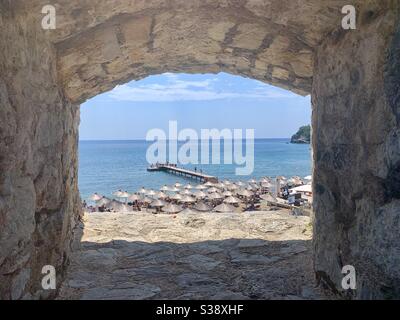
199,101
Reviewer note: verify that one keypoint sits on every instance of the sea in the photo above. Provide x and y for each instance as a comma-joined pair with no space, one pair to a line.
107,166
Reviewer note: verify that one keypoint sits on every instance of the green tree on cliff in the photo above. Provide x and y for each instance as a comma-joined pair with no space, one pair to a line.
303,135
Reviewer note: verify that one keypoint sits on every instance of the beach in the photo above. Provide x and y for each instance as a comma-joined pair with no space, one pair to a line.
252,255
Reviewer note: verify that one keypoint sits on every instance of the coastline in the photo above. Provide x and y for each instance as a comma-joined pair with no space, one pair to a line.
112,165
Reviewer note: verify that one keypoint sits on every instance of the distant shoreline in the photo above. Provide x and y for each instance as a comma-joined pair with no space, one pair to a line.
144,140
300,141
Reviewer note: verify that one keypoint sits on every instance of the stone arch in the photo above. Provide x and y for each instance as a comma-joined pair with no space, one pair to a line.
215,37
297,45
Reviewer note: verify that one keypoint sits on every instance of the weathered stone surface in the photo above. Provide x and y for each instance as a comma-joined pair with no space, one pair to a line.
356,156
226,257
271,41
39,200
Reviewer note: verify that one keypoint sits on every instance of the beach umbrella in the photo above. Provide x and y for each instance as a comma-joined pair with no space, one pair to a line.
157,204
188,199
224,208
215,196
147,200
178,185
186,192
232,187
245,193
303,188
151,193
174,189
134,197
268,197
117,193
143,191
103,202
264,180
218,195
201,206
176,196
189,186
208,184
95,197
188,211
252,181
219,185
200,194
266,185
201,187
239,183
161,195
124,194
231,200
297,180
227,194
165,188
212,189
172,208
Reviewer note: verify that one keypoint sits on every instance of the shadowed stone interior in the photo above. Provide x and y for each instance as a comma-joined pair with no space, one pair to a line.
294,44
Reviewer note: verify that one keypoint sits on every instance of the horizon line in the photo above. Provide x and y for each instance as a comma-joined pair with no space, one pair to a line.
173,140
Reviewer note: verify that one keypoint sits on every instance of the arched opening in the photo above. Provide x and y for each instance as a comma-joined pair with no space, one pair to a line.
196,102
205,253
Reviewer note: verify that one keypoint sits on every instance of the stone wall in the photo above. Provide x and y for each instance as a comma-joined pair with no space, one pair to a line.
356,142
193,37
39,200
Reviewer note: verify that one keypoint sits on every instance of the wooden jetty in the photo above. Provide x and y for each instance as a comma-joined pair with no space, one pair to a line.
183,172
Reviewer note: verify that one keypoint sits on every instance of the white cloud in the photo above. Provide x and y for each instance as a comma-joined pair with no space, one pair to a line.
176,89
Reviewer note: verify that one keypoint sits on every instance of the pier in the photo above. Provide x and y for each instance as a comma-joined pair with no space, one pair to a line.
183,172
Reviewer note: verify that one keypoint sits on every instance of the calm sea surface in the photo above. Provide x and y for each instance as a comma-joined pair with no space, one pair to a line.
106,166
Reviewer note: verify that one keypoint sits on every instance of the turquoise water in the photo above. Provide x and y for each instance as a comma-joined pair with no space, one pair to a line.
106,166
